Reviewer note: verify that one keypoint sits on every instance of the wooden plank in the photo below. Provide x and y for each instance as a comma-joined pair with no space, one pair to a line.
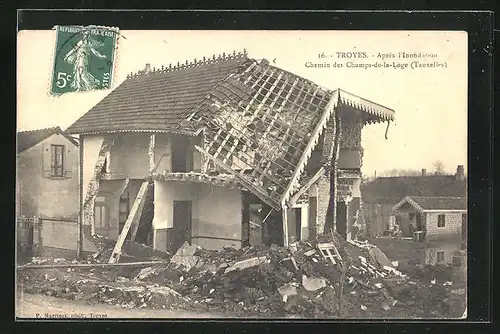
89,265
261,88
125,185
247,107
306,186
135,225
130,219
311,144
284,212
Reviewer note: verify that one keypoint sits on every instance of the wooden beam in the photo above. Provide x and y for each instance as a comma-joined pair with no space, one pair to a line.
246,110
130,219
257,192
311,144
135,225
89,265
125,185
284,212
306,186
247,107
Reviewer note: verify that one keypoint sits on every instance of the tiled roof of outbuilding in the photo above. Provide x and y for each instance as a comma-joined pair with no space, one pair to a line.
434,203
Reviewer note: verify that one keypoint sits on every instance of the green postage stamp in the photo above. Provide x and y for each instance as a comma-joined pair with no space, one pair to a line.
84,58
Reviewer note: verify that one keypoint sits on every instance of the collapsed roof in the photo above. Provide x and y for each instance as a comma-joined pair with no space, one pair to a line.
261,123
267,120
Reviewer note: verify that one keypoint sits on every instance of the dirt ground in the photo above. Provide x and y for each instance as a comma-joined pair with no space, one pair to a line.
45,307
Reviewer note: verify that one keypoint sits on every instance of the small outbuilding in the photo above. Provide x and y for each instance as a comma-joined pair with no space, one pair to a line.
432,217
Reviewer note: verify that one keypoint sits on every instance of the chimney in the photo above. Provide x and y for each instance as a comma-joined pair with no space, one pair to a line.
460,174
264,62
424,171
147,69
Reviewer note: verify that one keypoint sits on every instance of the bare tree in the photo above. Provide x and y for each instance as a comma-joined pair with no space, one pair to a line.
438,167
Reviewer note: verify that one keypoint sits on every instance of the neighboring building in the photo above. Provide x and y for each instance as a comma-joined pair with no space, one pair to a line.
434,217
47,174
225,151
381,194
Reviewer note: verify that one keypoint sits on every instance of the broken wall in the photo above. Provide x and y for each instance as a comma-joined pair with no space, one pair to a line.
91,147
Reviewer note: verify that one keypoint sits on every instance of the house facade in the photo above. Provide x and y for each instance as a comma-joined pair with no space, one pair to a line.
47,174
433,217
383,193
222,152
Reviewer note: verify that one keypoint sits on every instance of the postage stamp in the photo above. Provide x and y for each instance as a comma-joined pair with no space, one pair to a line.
84,58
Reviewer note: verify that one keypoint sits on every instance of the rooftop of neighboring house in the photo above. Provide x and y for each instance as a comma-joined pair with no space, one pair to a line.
390,190
443,204
28,139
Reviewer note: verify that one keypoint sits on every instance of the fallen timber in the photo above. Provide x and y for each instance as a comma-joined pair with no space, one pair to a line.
91,265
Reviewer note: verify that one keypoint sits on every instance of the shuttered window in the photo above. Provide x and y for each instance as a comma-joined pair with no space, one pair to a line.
57,160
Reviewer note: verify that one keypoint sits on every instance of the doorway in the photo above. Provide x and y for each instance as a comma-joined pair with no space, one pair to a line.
182,155
298,223
182,224
342,219
418,217
101,218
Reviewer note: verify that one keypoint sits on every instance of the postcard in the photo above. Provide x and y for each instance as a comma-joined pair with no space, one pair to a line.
207,174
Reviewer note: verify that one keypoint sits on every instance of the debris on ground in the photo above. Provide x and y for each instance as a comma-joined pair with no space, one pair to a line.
259,280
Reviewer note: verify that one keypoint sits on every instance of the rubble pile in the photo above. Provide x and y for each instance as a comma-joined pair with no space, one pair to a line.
300,280
102,286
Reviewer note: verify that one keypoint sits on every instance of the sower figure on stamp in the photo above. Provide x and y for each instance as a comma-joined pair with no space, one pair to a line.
78,56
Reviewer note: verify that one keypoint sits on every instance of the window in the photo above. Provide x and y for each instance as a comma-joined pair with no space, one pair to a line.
101,216
440,257
57,161
411,215
441,220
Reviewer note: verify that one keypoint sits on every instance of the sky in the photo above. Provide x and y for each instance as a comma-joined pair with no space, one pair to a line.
430,103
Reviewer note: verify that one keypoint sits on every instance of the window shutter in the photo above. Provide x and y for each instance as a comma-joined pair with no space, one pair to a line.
46,160
69,161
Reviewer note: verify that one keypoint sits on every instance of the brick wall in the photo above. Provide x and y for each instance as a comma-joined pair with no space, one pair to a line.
453,224
352,126
322,203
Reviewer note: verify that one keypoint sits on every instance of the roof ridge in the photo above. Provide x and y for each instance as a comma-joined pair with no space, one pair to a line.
55,128
215,59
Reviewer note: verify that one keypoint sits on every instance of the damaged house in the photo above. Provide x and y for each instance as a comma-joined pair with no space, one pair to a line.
224,151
